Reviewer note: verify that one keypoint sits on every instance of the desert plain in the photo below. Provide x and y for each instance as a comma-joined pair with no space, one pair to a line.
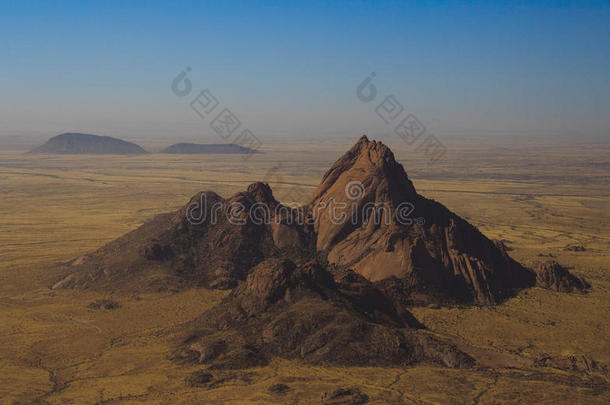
543,197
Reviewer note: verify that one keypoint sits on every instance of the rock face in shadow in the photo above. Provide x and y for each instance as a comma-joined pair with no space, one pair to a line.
304,312
553,276
195,148
76,144
210,242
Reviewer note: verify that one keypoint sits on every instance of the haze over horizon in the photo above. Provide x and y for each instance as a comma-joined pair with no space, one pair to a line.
292,69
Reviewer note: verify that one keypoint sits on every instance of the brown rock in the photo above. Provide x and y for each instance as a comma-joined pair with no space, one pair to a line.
327,291
575,248
199,379
208,380
414,248
302,312
345,396
104,304
210,247
569,363
553,276
441,256
279,389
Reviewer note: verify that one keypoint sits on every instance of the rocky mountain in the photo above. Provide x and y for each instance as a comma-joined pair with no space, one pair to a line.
76,143
439,255
205,243
365,216
307,312
194,148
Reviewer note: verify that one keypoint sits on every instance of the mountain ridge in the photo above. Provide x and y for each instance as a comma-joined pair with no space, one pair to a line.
438,259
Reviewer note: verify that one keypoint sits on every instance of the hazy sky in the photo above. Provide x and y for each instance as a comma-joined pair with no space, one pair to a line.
292,68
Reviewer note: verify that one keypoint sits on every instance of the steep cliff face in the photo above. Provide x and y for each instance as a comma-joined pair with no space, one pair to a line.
398,233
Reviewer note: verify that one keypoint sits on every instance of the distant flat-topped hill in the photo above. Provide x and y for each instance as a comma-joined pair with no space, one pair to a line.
75,143
197,148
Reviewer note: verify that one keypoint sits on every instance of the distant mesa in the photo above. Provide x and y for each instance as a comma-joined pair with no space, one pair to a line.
196,148
72,143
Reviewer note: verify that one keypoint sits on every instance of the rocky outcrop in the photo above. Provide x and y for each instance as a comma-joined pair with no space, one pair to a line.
398,233
570,363
345,396
328,283
575,248
104,304
279,389
366,216
303,312
209,242
553,276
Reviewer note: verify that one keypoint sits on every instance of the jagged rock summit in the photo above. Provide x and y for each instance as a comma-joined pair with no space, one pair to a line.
436,254
413,248
205,243
366,173
77,143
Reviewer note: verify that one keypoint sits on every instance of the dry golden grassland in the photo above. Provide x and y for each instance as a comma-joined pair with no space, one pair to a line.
538,196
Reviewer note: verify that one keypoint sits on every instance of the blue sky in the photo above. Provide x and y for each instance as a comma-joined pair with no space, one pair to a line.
289,68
